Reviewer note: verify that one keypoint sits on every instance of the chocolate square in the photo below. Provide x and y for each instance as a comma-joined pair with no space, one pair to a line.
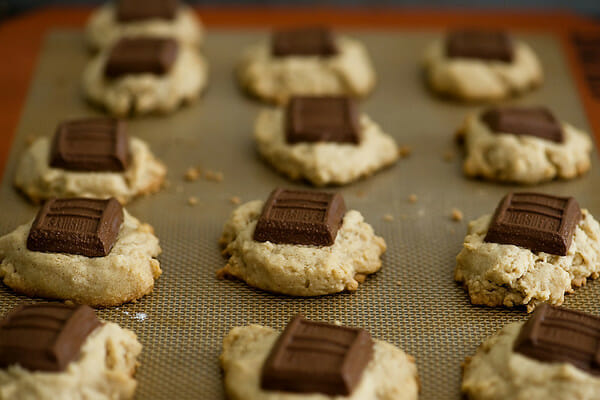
529,121
300,217
87,227
94,144
139,10
317,357
310,41
480,44
141,55
557,334
539,222
46,336
322,119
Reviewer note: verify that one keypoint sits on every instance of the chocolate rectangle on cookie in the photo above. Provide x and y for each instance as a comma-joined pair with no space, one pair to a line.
141,55
138,10
317,357
529,121
94,144
45,337
480,44
310,41
322,119
556,334
300,217
539,222
87,227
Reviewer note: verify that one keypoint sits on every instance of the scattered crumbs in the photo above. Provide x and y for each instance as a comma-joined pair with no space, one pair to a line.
29,140
140,316
398,283
457,215
235,200
361,193
69,303
360,278
452,230
192,174
214,176
421,212
404,151
413,198
179,189
192,201
403,216
449,156
388,217
338,323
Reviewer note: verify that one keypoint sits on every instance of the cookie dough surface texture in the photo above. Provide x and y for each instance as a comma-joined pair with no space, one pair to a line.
479,80
275,79
103,28
39,181
103,371
147,93
390,375
125,274
323,163
299,270
496,372
523,159
507,275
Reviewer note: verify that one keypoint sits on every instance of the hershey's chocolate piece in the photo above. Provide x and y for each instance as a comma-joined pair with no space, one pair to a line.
322,119
557,334
539,222
317,357
46,336
93,144
309,41
530,121
138,10
87,227
301,217
481,44
141,55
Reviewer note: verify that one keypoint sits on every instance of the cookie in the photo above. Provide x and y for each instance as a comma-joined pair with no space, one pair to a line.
300,243
549,357
261,363
89,251
53,351
525,145
89,158
324,140
143,75
534,249
480,65
306,61
127,18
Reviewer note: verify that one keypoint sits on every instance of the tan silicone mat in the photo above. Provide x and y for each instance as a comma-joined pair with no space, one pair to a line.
182,323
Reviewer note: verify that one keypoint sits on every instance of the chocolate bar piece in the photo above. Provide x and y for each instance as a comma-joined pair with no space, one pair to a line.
87,227
539,222
480,44
317,357
139,10
311,41
141,55
322,119
300,217
557,334
46,336
94,144
530,121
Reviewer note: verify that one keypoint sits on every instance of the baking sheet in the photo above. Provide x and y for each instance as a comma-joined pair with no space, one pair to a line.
182,323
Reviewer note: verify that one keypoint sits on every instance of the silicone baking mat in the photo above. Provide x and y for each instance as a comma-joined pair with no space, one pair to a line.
412,302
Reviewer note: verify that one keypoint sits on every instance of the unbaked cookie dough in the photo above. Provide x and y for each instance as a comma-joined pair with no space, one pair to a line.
127,273
275,79
103,371
300,270
103,28
39,181
474,79
323,163
505,157
496,372
391,374
507,275
146,93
